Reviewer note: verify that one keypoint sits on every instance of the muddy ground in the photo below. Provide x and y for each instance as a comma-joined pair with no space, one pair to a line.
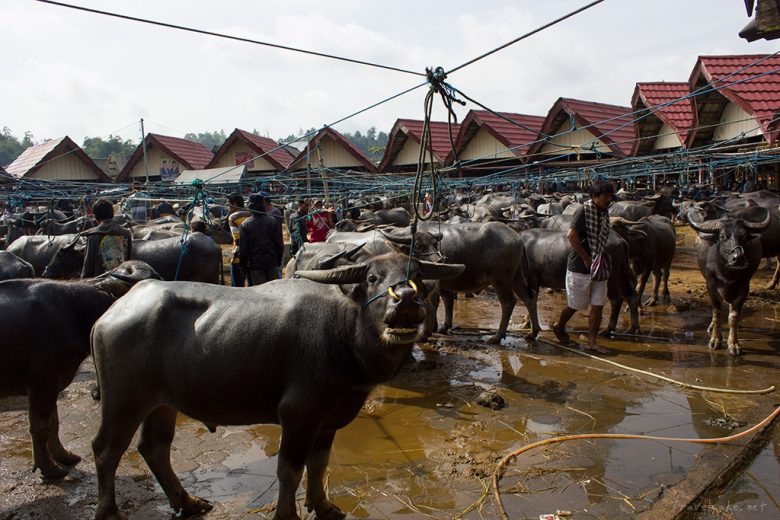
424,446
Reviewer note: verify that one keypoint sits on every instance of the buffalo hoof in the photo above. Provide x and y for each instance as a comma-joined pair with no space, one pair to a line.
606,333
651,302
531,336
67,458
328,511
715,344
113,515
770,286
195,506
495,340
734,350
53,472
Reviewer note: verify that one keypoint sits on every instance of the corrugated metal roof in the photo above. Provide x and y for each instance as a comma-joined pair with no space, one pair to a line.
344,142
612,124
272,151
225,175
34,157
666,103
517,137
412,128
678,115
189,154
755,87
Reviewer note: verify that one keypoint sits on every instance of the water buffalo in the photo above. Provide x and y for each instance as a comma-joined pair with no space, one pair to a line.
652,242
39,250
44,337
398,217
728,255
199,259
425,247
325,255
658,204
76,225
11,267
494,256
297,353
547,257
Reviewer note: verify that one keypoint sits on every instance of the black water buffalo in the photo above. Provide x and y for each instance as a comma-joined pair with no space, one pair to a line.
652,242
658,204
325,255
398,217
495,257
728,255
297,353
548,253
44,337
11,267
425,247
747,209
39,250
199,259
76,225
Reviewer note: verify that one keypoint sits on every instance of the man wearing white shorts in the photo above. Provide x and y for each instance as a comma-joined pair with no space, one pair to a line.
581,290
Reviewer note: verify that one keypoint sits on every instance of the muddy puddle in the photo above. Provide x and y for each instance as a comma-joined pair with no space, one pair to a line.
424,448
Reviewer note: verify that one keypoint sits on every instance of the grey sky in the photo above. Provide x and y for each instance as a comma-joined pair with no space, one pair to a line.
80,74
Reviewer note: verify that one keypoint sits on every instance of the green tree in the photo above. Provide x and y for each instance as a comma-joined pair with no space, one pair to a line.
371,143
11,147
99,148
210,140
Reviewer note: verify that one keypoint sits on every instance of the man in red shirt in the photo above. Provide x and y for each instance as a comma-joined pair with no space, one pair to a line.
319,223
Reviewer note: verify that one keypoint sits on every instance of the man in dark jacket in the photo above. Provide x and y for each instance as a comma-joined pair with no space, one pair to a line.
261,248
108,244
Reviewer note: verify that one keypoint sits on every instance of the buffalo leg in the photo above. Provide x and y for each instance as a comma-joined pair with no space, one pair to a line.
507,299
57,450
157,433
298,437
530,296
640,289
317,463
449,303
716,337
116,430
735,310
667,296
43,405
776,276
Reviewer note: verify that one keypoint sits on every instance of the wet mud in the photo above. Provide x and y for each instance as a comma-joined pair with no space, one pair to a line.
423,446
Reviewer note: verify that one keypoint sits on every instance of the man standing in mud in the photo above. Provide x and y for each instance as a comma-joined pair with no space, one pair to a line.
587,268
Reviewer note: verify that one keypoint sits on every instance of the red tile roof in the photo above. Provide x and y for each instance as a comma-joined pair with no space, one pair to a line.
272,151
35,157
755,87
191,155
669,103
612,124
404,129
344,142
518,136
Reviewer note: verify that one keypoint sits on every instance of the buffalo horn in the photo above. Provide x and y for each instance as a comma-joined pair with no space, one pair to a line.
758,226
339,275
706,226
327,263
434,271
397,239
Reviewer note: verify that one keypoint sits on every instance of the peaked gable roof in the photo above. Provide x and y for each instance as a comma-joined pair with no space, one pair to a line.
667,102
35,157
751,81
191,155
271,151
518,135
612,124
404,129
341,140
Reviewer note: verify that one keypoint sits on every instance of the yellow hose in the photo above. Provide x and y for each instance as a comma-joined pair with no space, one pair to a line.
500,468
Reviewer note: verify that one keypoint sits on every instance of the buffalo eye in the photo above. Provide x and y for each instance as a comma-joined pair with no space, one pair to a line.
372,278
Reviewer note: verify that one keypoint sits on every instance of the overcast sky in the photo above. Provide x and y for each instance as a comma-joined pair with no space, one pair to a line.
67,72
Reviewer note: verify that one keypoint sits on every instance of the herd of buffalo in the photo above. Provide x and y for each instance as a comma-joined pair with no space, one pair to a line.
305,351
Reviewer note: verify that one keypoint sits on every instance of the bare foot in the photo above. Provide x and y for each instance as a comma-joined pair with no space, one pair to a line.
593,348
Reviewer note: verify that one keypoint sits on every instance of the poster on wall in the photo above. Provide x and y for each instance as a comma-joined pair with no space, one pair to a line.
245,158
169,169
